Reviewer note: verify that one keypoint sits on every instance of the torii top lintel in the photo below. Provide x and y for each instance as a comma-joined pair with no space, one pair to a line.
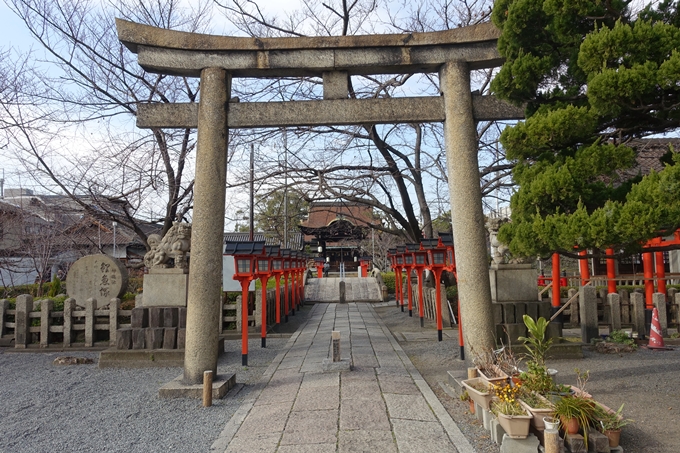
181,53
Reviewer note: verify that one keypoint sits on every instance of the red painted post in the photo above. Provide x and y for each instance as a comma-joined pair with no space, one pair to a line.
263,282
584,268
244,322
277,278
660,273
286,308
421,300
410,291
611,272
293,291
648,270
556,279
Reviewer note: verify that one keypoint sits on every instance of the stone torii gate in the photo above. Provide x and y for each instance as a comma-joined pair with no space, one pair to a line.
217,59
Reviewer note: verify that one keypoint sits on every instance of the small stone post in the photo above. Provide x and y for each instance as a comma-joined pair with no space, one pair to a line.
46,307
659,300
573,308
335,339
342,292
4,306
22,321
637,300
114,308
676,300
587,300
625,306
90,307
69,308
614,303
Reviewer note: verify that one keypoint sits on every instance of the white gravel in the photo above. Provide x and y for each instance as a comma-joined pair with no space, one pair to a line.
81,408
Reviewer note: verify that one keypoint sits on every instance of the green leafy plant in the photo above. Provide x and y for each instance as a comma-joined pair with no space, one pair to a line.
621,337
584,410
534,400
55,288
536,343
537,379
608,420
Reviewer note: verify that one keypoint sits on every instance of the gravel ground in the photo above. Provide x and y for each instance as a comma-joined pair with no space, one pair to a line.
47,408
81,408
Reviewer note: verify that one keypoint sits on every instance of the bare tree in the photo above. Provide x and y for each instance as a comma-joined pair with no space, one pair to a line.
68,120
399,170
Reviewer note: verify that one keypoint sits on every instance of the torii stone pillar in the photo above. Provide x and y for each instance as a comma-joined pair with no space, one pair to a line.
207,235
469,233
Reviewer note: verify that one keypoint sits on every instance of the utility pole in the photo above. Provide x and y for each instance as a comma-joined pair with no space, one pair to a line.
285,188
252,192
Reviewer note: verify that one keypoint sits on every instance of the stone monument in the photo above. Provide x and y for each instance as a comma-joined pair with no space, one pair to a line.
514,292
166,285
97,276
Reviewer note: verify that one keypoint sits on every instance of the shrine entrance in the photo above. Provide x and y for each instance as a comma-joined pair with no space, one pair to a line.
217,59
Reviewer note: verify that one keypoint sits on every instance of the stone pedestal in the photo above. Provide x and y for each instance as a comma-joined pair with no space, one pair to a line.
165,287
513,282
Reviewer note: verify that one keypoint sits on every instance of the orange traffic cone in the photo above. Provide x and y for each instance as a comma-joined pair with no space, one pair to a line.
655,338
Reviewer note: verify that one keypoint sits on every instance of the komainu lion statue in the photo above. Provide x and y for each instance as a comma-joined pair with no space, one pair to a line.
174,245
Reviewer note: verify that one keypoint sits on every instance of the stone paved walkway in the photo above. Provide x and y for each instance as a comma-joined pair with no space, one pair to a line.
382,405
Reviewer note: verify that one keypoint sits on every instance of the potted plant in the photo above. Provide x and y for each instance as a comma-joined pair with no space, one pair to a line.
610,423
478,391
487,368
537,406
536,343
512,417
536,378
508,362
576,412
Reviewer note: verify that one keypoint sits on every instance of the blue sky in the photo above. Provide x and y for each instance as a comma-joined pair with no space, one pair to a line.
12,30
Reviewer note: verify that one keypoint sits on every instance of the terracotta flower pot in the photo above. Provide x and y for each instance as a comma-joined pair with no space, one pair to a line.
614,435
472,406
571,425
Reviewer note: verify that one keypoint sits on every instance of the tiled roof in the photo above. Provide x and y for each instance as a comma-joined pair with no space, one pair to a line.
294,239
